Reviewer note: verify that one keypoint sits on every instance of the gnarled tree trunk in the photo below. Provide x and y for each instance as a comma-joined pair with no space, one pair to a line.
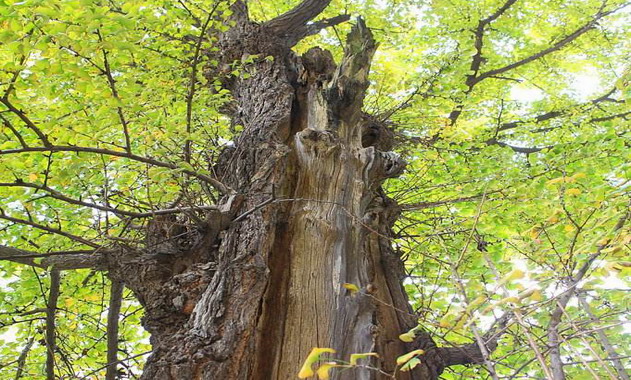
262,282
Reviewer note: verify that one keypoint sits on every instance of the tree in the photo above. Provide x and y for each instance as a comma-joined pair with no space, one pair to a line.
227,164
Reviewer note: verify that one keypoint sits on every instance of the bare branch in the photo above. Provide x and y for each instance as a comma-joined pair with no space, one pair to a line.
516,149
477,59
553,114
51,309
425,205
116,296
22,358
297,17
557,46
18,256
555,318
108,152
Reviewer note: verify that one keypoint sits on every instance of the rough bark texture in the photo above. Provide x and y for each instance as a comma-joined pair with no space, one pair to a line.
249,298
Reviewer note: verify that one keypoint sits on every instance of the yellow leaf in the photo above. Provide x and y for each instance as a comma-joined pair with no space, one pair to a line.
536,296
69,302
603,242
323,371
579,175
553,219
476,302
568,228
507,300
407,337
351,287
410,365
515,274
355,357
445,323
306,370
573,191
534,232
32,177
406,357
561,180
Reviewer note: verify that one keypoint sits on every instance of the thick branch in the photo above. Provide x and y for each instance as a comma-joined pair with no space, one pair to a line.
477,59
22,358
116,297
18,256
297,17
63,260
472,353
51,309
315,27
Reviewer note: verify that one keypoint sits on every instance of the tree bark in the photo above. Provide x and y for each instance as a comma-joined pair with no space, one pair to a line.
249,297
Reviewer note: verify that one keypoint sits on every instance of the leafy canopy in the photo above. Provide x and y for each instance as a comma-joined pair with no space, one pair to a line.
513,116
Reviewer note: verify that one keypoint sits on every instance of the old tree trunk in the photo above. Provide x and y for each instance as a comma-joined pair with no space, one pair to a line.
263,282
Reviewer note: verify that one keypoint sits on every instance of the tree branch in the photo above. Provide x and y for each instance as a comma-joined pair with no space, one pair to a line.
51,308
297,17
116,296
15,132
48,229
18,256
191,87
553,114
477,59
108,152
61,260
29,123
472,353
555,318
112,84
315,27
604,342
557,46
22,358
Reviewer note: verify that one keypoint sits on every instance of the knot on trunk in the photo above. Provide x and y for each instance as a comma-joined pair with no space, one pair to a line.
318,65
380,165
314,144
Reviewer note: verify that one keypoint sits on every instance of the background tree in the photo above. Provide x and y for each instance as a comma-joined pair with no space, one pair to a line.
229,174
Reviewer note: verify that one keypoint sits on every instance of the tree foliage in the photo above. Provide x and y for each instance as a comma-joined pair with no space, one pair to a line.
513,117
